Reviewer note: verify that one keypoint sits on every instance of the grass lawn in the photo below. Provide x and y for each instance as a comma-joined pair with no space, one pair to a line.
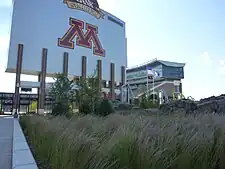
127,142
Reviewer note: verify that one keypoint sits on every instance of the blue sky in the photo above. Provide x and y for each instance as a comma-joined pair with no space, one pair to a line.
190,31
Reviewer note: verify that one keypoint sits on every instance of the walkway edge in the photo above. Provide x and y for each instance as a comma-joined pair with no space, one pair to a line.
22,158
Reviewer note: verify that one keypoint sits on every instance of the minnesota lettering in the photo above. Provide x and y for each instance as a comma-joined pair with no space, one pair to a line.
83,38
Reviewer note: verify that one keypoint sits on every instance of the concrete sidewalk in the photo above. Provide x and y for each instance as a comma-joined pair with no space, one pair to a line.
6,141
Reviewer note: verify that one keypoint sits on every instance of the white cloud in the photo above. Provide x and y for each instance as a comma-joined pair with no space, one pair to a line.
206,59
5,3
222,67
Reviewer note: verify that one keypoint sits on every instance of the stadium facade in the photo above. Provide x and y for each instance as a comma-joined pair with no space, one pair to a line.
74,38
168,84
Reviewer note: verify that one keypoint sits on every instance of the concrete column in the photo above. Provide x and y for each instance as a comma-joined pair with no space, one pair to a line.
84,67
42,81
112,81
16,100
123,81
38,93
65,63
99,74
83,72
123,73
180,87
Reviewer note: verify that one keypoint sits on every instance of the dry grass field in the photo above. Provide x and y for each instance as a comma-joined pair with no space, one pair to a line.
127,142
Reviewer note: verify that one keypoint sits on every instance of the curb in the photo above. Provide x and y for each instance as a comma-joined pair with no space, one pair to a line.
22,157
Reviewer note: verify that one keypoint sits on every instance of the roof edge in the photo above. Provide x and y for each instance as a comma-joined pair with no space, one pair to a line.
153,61
142,64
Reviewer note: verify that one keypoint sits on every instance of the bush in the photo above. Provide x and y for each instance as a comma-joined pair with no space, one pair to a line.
146,103
85,108
125,106
136,102
105,108
87,94
61,91
61,108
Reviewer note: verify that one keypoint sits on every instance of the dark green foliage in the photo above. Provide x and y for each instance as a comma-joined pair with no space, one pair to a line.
124,106
85,107
61,91
143,103
105,108
147,103
136,102
61,108
89,95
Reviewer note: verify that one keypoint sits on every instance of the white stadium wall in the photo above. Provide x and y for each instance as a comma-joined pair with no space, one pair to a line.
48,24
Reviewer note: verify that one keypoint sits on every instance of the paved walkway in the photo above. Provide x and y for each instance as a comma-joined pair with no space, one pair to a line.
6,142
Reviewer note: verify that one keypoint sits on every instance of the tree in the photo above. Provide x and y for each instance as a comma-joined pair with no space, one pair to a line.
61,91
89,94
105,108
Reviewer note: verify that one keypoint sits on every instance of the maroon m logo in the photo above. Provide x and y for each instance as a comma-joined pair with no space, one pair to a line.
83,39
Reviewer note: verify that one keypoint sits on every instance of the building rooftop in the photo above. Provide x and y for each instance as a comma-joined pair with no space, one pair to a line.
172,64
154,61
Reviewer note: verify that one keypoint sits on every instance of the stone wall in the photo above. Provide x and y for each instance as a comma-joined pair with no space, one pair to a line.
208,105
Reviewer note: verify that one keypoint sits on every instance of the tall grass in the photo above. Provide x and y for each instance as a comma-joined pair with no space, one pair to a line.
128,142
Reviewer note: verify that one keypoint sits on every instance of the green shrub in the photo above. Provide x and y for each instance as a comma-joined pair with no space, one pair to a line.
87,95
85,108
61,108
105,108
147,103
136,102
125,106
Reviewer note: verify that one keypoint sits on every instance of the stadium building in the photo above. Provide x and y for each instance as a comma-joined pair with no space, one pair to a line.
168,84
75,39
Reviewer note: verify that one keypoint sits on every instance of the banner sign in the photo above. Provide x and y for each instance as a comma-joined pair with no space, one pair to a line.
89,6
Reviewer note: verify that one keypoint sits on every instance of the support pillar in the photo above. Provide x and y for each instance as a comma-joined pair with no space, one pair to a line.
83,73
99,74
42,81
180,87
123,72
112,81
123,75
84,67
38,93
16,100
65,63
